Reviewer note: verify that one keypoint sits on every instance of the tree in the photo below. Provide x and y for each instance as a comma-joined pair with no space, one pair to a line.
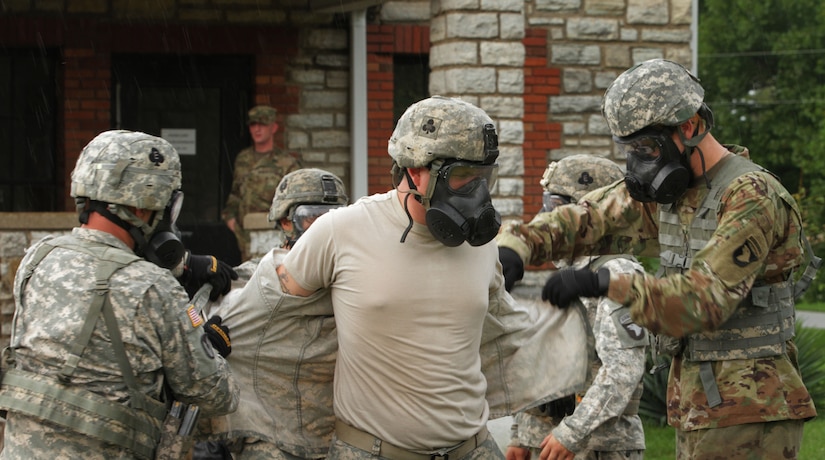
762,63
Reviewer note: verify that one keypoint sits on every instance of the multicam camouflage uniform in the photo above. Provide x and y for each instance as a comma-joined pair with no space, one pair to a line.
723,258
255,176
606,420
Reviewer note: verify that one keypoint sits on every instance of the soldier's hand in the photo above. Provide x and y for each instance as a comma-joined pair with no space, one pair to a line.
517,453
552,449
511,267
218,335
569,284
208,269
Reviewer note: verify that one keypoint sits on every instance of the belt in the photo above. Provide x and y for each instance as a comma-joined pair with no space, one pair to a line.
365,441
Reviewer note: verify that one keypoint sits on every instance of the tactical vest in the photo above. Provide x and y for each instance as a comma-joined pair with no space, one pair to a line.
71,406
764,321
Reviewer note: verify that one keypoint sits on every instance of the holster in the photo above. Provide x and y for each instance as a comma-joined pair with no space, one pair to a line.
172,444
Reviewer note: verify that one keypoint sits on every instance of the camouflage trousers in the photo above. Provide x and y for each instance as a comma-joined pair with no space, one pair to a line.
535,454
487,450
752,441
262,450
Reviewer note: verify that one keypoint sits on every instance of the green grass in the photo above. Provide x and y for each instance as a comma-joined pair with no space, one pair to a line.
811,306
661,441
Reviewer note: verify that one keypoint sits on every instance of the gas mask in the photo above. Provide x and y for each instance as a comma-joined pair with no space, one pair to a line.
550,201
656,169
459,207
302,216
164,247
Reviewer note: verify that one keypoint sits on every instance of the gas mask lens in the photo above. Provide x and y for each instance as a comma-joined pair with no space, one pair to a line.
304,215
174,206
646,145
462,177
549,201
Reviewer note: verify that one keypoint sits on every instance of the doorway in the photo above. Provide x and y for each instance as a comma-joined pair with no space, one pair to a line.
199,104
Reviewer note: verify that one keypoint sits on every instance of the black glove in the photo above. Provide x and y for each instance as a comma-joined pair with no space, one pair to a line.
218,335
207,269
571,283
559,408
511,267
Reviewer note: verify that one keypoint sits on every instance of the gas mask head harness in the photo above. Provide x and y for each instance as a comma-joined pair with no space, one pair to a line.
157,241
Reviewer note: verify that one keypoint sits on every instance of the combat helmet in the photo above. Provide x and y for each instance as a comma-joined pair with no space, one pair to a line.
654,92
443,128
575,175
127,168
306,186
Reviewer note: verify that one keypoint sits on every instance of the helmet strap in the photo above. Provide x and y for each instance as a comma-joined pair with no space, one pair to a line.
126,220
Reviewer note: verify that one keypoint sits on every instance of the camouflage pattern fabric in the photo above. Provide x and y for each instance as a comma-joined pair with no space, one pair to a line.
290,343
753,216
654,92
442,128
255,178
340,450
263,114
753,441
163,343
575,175
128,168
618,363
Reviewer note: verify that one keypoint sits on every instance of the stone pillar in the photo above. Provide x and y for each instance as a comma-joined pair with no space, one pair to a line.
477,55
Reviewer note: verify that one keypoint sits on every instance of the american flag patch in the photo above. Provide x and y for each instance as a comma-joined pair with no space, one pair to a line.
194,316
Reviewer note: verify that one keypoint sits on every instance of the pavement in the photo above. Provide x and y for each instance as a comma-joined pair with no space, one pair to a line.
500,428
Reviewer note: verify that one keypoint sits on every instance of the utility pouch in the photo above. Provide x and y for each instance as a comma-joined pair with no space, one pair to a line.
176,439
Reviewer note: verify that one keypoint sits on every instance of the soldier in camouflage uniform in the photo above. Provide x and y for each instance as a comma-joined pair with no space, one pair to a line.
258,170
102,339
285,352
605,423
429,342
729,237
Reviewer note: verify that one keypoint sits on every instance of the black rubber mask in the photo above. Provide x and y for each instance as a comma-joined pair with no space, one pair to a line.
460,206
656,169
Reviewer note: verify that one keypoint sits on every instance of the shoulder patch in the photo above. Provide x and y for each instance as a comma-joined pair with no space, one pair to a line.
749,252
630,334
194,316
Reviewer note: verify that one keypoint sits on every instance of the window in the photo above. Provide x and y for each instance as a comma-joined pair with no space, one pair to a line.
410,81
28,178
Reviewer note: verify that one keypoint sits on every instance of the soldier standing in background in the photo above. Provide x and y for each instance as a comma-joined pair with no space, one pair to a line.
729,237
103,336
605,423
258,170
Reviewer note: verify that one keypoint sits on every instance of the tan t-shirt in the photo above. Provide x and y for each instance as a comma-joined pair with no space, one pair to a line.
409,318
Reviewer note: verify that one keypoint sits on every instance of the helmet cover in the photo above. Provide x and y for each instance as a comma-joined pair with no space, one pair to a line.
655,92
127,168
443,128
576,175
306,186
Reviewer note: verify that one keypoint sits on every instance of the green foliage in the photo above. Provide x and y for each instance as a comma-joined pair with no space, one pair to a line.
762,65
653,406
809,342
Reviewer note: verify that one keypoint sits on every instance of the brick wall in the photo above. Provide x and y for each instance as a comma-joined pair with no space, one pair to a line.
382,42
